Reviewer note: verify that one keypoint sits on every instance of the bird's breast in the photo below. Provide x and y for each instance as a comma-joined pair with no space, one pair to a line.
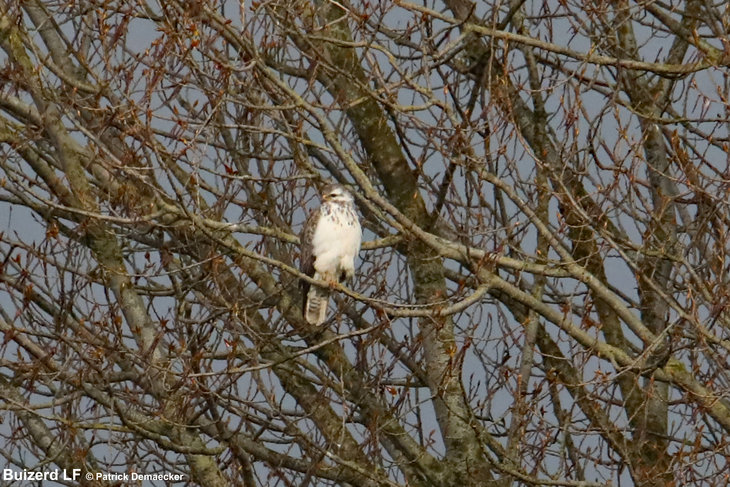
337,236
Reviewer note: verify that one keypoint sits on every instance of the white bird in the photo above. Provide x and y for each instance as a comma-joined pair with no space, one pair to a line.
330,241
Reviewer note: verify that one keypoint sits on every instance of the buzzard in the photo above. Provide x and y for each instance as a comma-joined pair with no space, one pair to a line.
330,242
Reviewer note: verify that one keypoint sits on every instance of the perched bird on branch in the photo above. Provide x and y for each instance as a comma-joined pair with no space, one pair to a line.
330,242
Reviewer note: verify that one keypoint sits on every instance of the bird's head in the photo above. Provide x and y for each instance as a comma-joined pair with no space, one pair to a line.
336,193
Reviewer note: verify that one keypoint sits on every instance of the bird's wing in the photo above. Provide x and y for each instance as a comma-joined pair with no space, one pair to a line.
307,257
306,237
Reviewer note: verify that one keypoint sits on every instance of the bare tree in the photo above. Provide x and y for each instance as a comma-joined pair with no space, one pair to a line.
541,299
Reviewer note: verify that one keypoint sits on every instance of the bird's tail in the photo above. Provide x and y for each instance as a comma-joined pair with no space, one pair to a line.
315,305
